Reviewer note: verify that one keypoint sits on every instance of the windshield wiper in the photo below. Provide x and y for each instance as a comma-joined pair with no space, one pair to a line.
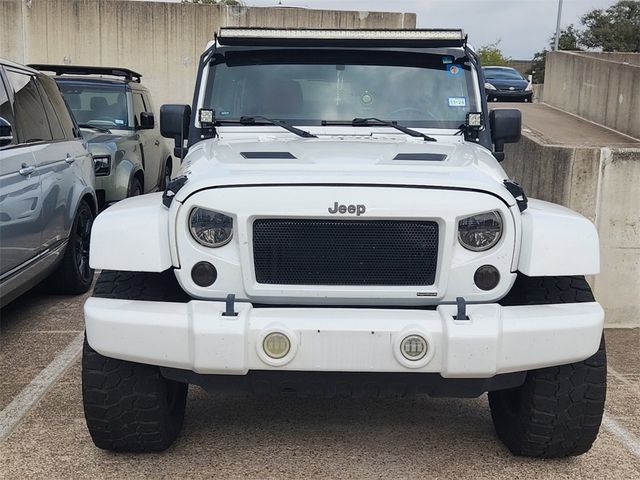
365,122
93,127
259,119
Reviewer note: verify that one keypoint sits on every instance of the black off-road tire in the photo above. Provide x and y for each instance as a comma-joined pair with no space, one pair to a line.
131,407
74,276
557,412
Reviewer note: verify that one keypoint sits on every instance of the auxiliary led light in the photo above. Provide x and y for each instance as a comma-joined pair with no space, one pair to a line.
414,347
276,345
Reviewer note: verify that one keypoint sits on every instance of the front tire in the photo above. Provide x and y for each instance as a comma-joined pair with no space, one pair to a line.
131,407
557,412
135,189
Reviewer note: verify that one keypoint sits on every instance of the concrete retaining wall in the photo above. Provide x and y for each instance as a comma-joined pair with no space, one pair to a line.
595,87
602,185
163,41
621,57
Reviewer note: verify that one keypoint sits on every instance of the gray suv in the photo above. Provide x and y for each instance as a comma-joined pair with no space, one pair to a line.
47,196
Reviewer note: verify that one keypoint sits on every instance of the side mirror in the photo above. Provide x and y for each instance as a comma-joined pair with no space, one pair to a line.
6,132
174,123
506,127
147,121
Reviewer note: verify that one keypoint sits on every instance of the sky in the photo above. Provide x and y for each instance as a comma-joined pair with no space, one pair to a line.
522,26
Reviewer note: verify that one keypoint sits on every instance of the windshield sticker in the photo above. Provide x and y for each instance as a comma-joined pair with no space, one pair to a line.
457,101
119,122
224,113
447,60
454,70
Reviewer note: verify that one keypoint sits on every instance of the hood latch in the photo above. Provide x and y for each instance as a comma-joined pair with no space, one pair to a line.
173,187
517,191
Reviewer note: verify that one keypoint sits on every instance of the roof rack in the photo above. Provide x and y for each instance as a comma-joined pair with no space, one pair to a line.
241,36
88,70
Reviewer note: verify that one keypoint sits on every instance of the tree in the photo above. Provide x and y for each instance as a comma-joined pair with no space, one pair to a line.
616,29
569,39
492,55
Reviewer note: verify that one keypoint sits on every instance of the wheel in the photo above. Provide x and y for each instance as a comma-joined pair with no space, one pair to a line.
166,175
131,407
135,188
557,412
74,276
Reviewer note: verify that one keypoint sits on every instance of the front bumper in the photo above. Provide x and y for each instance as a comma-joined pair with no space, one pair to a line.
197,336
510,96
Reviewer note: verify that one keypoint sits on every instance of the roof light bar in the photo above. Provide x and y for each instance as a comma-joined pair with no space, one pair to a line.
321,37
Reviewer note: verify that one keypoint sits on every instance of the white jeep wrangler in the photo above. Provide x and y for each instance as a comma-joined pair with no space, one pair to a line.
342,226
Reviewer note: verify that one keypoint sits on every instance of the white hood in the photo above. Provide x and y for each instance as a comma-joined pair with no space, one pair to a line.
343,160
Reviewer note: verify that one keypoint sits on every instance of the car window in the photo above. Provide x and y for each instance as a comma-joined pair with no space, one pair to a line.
147,102
60,108
138,107
56,128
503,74
97,105
30,119
5,107
414,89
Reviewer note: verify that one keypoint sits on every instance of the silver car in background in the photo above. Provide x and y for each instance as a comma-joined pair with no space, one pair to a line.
47,196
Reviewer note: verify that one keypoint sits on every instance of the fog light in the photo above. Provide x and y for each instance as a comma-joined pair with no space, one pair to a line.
486,277
414,347
204,274
276,345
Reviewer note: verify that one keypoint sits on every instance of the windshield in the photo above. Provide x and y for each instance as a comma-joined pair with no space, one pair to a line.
97,105
502,74
307,87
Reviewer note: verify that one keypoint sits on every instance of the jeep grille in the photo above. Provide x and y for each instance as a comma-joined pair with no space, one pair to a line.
345,252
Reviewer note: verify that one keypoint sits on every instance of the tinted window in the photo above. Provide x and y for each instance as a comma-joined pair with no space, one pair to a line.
59,107
138,107
30,119
54,123
147,103
97,105
5,106
503,74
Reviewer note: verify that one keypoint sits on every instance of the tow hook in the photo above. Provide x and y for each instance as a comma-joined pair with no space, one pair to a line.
462,309
230,310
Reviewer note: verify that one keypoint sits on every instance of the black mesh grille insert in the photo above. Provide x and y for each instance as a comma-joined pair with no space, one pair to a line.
345,252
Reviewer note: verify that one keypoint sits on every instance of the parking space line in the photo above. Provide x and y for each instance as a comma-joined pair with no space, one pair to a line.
628,439
623,379
13,413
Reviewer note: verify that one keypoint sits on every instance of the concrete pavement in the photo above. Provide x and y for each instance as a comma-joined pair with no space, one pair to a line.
555,127
244,437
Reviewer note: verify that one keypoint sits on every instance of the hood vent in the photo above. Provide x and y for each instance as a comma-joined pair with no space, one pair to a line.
421,157
267,155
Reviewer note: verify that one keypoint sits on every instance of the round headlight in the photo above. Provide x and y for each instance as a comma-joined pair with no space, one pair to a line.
480,232
211,229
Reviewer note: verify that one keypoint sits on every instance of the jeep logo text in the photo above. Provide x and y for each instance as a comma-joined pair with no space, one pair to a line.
352,209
